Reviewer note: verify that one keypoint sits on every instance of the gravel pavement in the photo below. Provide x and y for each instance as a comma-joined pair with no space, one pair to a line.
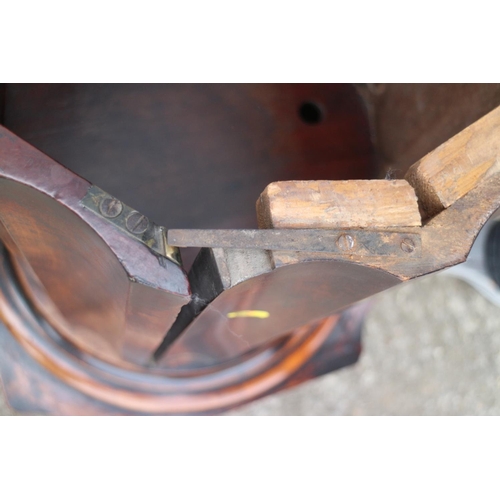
430,347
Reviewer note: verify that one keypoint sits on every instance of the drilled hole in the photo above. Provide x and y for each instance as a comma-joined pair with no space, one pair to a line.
310,113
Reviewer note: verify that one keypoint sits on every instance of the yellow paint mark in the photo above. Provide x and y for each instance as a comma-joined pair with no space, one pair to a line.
248,314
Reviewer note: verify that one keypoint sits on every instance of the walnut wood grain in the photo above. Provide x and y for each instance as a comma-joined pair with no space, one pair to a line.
334,204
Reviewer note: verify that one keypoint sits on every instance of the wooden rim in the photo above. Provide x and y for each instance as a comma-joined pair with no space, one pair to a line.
148,392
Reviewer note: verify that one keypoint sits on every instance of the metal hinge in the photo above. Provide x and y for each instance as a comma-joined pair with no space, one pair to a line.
131,222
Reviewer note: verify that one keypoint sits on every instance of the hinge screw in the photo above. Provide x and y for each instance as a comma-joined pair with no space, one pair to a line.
110,207
407,245
137,223
345,242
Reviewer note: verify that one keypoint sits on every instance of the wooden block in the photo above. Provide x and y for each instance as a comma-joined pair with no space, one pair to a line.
334,204
454,168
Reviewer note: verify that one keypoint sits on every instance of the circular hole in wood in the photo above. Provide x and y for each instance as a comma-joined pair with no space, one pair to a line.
310,113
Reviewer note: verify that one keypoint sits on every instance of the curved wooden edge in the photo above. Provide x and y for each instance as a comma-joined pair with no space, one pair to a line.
269,305
40,375
105,291
21,162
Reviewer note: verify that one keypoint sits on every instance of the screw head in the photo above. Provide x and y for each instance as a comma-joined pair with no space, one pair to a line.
407,245
137,223
110,207
345,242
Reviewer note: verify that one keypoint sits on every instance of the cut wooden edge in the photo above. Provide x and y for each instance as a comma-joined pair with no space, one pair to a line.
453,169
334,204
431,185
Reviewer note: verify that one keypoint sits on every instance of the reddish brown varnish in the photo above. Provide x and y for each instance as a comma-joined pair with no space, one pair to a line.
84,305
105,292
186,156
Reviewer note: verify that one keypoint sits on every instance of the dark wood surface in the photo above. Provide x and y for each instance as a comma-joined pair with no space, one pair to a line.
194,156
186,156
41,375
290,296
37,369
2,101
410,120
105,292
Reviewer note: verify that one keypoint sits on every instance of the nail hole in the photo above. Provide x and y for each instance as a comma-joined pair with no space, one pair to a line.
310,113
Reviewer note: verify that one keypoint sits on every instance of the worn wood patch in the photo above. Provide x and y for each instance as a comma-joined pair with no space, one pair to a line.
333,204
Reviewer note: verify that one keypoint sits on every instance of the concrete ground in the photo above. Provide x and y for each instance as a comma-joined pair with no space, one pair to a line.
431,347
